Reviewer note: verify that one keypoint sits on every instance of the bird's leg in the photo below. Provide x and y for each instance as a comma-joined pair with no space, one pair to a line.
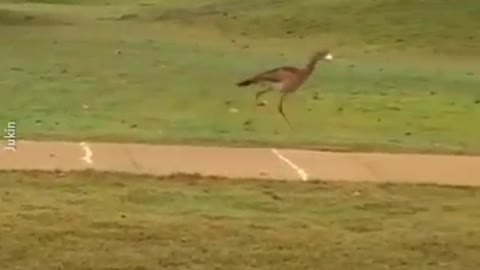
262,92
280,107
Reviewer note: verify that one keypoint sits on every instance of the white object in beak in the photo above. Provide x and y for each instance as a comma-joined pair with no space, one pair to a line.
329,56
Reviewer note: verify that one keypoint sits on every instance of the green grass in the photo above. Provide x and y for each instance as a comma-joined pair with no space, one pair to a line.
405,75
112,221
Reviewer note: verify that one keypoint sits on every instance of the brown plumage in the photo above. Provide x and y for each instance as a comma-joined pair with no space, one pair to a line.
286,79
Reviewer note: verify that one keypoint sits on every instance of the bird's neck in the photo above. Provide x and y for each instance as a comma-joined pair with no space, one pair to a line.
311,65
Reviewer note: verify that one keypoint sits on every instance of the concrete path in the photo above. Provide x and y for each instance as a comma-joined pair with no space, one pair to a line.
261,163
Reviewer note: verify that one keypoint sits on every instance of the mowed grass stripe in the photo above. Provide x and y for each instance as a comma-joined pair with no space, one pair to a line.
174,81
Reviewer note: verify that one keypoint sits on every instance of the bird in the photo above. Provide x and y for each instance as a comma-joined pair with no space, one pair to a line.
286,79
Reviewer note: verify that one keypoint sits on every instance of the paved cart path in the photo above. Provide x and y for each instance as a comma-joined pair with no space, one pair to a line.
230,162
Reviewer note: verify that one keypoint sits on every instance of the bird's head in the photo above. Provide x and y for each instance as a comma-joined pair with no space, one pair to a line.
323,55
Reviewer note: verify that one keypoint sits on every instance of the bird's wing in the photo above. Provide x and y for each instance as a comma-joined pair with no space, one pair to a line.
276,74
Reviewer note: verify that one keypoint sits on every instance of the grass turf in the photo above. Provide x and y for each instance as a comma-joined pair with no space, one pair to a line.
404,75
113,221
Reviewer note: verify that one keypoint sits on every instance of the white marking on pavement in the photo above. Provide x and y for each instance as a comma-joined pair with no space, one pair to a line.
303,175
88,153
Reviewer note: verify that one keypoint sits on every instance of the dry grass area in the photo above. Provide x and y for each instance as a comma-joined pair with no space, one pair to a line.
112,221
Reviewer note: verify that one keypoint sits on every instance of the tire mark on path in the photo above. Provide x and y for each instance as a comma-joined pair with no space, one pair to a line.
87,158
301,172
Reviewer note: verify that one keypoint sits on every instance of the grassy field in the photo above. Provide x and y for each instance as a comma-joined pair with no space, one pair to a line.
405,75
107,221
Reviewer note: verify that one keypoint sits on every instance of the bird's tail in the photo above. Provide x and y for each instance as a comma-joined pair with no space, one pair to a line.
245,83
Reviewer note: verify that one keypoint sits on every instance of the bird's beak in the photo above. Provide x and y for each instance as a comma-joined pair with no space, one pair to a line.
329,57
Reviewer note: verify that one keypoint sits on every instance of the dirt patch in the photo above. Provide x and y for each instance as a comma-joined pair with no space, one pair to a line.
256,163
